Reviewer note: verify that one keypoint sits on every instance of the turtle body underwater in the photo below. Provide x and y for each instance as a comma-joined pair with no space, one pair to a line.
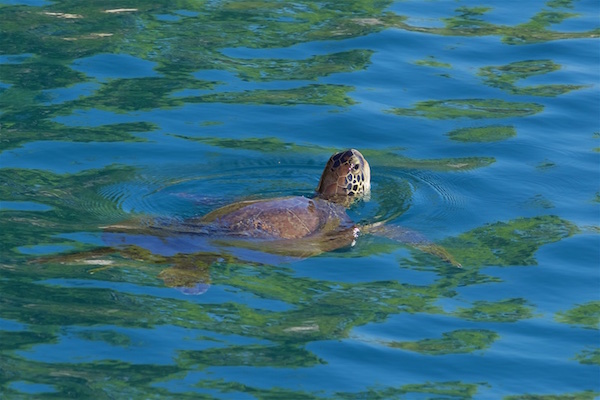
296,226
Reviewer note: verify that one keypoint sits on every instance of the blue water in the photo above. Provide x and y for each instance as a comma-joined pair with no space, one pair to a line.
481,122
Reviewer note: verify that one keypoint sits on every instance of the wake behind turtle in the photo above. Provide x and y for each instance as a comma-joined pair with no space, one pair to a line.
294,226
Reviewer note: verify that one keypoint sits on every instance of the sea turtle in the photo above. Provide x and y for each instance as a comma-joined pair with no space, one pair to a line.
262,231
295,226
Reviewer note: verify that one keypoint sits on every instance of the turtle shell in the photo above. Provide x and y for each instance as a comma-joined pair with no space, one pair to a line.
285,218
295,227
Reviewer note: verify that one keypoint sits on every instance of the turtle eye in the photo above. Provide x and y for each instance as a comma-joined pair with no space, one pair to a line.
356,167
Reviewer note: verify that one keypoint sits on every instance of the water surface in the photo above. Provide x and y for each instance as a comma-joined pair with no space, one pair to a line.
481,124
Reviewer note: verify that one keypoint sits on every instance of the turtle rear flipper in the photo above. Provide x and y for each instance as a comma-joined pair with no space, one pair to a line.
411,238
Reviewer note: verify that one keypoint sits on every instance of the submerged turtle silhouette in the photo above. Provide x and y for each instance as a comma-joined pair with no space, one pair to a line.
296,226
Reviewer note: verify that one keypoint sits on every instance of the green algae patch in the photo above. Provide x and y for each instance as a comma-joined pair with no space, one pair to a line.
468,22
586,315
508,243
585,395
589,356
22,340
560,3
321,309
135,94
13,136
538,201
446,390
493,133
211,123
469,108
266,70
392,160
505,77
432,390
432,62
111,337
545,90
280,356
510,73
38,74
100,379
334,312
453,389
510,310
263,145
455,342
74,198
318,94
85,307
381,158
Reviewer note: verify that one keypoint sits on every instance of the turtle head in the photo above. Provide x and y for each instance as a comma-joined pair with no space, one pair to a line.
346,176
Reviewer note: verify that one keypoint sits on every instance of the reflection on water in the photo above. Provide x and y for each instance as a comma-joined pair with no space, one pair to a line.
470,108
476,122
460,341
504,77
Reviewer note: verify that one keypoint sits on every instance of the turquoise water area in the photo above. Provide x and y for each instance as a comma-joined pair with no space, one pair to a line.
481,122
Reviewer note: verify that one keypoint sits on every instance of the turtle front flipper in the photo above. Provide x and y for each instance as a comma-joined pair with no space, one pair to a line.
411,238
